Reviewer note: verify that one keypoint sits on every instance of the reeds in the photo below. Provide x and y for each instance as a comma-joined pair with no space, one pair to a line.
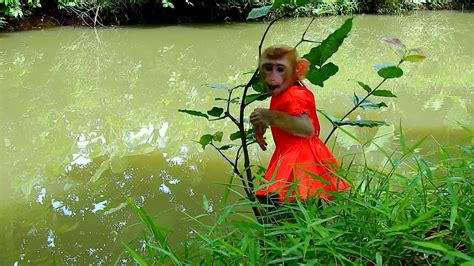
404,211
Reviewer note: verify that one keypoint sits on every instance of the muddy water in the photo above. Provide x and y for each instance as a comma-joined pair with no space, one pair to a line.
89,118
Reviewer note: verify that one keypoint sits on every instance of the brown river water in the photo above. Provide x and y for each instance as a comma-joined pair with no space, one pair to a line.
79,104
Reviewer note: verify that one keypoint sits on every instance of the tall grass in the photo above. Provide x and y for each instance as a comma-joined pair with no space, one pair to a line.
405,211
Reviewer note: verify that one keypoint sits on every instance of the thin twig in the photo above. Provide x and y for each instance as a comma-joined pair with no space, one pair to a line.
334,127
304,33
223,155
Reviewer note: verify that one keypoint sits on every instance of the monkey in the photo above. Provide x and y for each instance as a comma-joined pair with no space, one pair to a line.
295,129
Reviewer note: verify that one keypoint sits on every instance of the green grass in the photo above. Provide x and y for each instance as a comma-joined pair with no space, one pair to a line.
406,211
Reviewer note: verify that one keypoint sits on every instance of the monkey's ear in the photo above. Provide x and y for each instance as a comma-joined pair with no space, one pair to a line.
301,67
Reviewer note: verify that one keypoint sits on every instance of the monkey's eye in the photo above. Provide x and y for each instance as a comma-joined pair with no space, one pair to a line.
268,67
280,69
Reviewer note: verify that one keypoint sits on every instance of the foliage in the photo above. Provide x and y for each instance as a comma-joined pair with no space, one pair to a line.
93,12
405,211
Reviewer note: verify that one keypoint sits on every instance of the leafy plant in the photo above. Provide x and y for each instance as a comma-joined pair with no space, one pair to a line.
321,69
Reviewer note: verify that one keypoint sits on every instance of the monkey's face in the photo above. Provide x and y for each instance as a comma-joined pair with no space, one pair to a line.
278,75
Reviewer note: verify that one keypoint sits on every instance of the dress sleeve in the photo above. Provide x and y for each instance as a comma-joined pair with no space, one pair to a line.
298,104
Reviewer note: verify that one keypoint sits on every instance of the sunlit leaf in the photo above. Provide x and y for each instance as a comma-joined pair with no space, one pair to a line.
390,72
364,86
415,55
193,113
378,259
361,123
318,76
321,53
218,136
414,58
256,97
259,12
205,140
215,111
383,93
219,86
454,204
205,203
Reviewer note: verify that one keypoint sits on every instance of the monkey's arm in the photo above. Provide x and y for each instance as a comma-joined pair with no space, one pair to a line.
259,131
300,126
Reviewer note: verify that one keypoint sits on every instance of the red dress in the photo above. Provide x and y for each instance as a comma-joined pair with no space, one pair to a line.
299,166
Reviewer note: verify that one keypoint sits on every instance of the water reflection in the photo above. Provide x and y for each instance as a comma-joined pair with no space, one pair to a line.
89,118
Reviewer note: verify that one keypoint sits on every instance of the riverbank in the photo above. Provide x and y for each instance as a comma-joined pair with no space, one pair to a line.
39,15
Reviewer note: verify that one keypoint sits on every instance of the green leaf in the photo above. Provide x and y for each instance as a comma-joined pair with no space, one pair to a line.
205,203
454,204
235,135
390,72
430,245
278,3
415,55
302,2
422,217
378,259
380,66
370,105
205,140
138,259
329,117
414,58
259,12
321,53
226,147
259,85
318,76
383,93
219,86
193,113
256,97
364,86
218,136
215,111
233,100
361,123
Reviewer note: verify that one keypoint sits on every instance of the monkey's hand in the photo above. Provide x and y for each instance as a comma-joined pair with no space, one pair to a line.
259,131
260,116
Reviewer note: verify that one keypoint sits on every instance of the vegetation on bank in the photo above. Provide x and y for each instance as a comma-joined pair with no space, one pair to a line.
404,210
108,12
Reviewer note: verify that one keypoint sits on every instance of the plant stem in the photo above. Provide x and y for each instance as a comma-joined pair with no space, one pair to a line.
334,127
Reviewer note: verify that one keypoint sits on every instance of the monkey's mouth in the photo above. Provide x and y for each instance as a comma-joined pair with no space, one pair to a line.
272,87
